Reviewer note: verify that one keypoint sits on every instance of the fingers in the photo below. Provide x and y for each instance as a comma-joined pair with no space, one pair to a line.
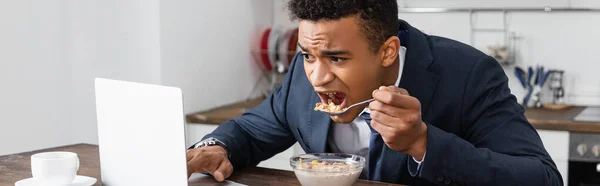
190,154
396,97
210,160
382,129
386,109
199,163
394,89
224,171
190,170
384,118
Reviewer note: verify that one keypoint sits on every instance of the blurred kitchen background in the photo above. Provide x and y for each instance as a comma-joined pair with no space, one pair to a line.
226,55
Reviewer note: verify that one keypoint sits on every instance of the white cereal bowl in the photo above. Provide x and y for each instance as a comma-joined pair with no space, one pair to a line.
339,170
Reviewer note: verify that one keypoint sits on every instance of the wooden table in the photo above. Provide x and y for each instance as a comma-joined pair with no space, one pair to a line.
16,167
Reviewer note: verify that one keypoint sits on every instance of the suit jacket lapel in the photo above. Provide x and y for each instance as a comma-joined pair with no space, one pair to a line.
417,79
420,82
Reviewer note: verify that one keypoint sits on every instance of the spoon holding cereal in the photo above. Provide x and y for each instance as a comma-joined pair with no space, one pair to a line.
335,110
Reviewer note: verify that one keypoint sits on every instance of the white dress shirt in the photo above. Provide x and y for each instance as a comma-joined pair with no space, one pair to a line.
354,137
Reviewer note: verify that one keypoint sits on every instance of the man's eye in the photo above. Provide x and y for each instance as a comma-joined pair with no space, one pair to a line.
308,57
337,59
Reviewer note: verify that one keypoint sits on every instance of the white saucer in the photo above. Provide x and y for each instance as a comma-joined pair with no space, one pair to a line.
78,181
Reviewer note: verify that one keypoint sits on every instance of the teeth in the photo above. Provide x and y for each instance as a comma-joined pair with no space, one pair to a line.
331,95
329,101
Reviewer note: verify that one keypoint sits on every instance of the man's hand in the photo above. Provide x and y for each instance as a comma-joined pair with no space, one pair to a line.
397,117
209,159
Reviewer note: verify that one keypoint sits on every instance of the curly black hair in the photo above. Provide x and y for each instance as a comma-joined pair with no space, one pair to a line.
378,18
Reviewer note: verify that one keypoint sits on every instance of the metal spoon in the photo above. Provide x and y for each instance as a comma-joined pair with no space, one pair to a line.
344,110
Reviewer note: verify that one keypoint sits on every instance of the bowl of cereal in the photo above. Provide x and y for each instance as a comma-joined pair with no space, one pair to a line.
335,169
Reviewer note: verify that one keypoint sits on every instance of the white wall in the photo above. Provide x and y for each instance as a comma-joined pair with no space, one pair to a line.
561,40
481,3
34,76
111,39
496,4
51,51
205,48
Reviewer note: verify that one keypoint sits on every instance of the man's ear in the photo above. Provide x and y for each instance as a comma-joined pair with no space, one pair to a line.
390,50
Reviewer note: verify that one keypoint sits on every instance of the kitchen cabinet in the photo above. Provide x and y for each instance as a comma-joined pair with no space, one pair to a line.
557,145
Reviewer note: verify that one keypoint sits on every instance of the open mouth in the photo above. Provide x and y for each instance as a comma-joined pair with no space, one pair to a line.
331,101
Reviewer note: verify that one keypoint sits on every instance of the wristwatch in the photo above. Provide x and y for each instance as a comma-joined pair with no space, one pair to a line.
209,142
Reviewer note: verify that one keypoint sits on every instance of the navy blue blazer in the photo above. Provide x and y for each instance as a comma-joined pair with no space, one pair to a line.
477,132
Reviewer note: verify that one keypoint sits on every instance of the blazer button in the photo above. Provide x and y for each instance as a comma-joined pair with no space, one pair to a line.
440,178
447,181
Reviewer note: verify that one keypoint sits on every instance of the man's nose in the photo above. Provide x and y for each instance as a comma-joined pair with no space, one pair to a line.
321,74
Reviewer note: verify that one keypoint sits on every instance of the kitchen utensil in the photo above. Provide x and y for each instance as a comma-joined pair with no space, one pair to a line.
545,78
529,75
556,85
536,75
344,110
520,73
541,75
528,96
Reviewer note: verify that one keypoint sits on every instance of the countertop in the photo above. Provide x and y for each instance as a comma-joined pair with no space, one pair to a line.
563,120
17,166
540,118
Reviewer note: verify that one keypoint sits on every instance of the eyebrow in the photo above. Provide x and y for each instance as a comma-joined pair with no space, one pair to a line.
301,47
327,52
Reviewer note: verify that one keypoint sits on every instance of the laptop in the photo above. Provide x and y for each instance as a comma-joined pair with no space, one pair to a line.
141,135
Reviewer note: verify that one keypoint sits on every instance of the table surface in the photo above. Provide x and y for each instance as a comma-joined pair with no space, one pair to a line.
17,166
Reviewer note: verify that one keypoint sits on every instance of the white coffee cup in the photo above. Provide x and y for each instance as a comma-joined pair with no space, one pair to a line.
54,168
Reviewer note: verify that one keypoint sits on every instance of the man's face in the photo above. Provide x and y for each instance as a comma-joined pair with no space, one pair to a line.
339,63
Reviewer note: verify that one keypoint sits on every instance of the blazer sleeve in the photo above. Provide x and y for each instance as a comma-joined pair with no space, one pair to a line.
498,145
261,132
